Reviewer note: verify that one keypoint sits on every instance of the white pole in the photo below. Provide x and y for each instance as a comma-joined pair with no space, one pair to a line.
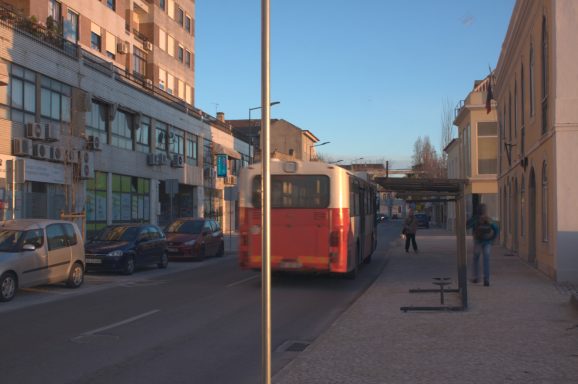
265,198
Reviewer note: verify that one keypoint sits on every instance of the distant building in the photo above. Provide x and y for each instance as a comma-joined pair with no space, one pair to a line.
478,148
536,93
287,141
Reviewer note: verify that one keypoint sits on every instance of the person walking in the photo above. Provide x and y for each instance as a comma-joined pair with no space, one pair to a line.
484,231
409,230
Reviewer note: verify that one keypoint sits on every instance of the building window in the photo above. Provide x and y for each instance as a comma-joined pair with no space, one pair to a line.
188,58
162,39
467,151
96,121
171,46
515,109
95,41
139,63
161,139
544,77
120,130
544,202
188,23
510,118
523,207
71,26
111,4
532,82
54,10
162,4
208,161
110,45
192,149
180,53
522,96
487,148
130,199
143,132
22,94
95,205
177,143
180,16
171,9
55,100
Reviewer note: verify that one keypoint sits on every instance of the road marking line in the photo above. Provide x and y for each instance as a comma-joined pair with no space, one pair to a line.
242,281
129,320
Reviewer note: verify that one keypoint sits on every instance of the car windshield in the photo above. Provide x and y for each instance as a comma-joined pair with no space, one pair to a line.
9,240
117,233
186,226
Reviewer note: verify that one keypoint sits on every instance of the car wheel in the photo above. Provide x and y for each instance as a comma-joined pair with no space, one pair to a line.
164,261
8,285
76,276
221,250
129,266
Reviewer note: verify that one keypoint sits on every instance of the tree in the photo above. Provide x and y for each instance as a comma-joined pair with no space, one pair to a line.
425,160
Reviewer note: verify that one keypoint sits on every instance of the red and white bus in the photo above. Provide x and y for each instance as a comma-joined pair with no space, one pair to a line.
323,218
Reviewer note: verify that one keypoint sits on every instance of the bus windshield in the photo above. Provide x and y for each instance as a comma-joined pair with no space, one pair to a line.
294,191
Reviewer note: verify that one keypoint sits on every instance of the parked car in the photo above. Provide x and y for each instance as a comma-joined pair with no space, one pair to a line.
190,237
124,247
39,251
422,220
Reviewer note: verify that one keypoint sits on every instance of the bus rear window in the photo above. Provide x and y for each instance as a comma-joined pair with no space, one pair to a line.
294,191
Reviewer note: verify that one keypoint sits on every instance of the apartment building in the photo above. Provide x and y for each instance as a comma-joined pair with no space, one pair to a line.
287,141
536,96
107,131
477,146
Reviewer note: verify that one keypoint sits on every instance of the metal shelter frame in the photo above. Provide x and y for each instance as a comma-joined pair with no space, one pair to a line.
437,190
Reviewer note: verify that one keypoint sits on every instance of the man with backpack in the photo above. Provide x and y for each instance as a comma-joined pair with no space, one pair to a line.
484,233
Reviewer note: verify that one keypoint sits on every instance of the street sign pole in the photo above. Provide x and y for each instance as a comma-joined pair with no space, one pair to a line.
265,199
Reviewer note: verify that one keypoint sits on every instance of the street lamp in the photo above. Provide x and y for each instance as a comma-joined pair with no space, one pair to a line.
335,162
352,163
316,145
253,135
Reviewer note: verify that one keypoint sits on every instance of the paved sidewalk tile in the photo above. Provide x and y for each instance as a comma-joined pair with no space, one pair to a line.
521,329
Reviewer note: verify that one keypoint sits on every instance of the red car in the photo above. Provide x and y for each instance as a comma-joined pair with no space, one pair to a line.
197,238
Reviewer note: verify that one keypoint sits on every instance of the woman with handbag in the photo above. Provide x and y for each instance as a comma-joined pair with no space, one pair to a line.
409,230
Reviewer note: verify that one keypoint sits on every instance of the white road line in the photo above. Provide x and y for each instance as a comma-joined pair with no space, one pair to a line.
129,320
243,281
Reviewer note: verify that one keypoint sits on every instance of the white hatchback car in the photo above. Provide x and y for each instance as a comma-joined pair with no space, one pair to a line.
39,251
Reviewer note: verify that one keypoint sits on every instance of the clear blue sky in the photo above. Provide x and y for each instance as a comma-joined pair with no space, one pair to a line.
370,76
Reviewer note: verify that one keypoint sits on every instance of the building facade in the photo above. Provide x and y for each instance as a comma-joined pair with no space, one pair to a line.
84,134
536,95
478,147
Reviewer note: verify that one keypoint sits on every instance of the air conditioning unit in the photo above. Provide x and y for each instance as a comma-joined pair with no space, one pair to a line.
122,47
71,156
34,131
148,46
152,159
40,151
93,143
231,180
178,161
21,147
56,154
52,132
86,165
162,159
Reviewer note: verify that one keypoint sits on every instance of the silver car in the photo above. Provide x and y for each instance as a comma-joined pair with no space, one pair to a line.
39,251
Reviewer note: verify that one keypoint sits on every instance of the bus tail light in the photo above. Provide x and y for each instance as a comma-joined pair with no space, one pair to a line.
334,239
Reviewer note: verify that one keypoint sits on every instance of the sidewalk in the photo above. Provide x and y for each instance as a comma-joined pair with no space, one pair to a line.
521,329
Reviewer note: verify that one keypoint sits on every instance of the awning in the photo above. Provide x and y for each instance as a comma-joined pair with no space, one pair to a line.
220,149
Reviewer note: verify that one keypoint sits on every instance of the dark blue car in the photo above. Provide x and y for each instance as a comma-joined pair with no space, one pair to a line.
422,220
124,247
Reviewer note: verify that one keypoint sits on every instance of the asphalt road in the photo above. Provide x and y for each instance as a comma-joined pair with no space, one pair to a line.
196,322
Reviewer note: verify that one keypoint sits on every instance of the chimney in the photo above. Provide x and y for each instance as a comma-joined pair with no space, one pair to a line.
221,116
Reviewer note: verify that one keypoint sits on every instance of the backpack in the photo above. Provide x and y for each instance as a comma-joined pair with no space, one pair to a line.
483,230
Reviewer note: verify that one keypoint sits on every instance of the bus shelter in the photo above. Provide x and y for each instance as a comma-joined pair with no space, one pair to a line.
438,190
